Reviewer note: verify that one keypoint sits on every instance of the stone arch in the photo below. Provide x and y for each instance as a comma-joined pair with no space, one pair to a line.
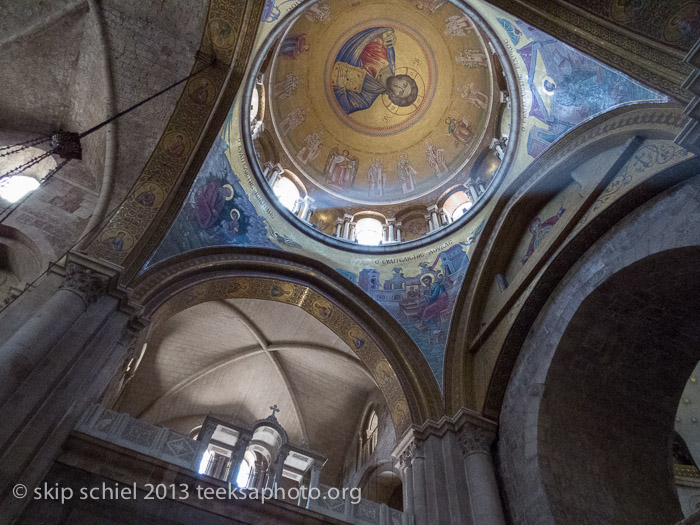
395,362
637,123
586,426
382,484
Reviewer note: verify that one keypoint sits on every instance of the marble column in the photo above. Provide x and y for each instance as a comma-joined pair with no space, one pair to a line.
339,228
406,470
472,191
314,479
20,355
429,222
434,216
390,223
420,502
398,231
237,457
279,467
70,369
347,221
274,174
475,442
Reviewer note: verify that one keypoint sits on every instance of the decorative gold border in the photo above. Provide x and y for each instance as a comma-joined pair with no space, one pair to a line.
653,63
229,35
399,368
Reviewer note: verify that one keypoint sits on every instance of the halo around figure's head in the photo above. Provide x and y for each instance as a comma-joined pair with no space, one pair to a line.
406,99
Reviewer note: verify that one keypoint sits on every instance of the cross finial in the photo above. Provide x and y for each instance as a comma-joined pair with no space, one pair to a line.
274,409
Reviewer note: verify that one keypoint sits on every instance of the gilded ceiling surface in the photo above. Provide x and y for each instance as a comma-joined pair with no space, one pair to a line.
364,102
560,88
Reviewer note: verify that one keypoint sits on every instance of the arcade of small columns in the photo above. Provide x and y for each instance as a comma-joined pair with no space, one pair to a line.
77,346
435,217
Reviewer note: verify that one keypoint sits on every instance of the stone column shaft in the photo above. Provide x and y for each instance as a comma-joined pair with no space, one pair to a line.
420,503
314,479
20,355
481,475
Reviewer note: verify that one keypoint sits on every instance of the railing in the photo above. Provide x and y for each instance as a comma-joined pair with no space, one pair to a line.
171,447
359,513
135,434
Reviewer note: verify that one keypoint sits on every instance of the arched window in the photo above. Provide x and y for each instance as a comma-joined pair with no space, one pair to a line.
368,439
457,205
287,192
246,470
15,187
368,231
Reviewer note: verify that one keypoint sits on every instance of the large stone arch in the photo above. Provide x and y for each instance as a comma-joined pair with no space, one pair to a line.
587,420
397,365
622,128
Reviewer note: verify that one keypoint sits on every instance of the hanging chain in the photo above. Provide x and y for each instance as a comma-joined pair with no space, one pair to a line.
12,207
23,167
23,145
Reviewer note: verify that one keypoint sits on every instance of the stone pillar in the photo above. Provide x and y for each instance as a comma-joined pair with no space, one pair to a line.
420,503
274,174
279,467
429,222
308,208
20,355
314,479
70,370
260,474
237,457
347,221
390,223
472,191
398,231
339,228
406,470
499,146
434,216
475,442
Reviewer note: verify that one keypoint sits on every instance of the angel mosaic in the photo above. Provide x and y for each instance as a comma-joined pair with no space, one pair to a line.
460,130
293,46
472,58
436,159
341,168
287,87
293,120
474,95
319,12
458,25
311,148
539,230
406,174
377,178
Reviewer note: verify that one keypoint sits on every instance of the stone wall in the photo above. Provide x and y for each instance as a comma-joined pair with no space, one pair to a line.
588,414
71,65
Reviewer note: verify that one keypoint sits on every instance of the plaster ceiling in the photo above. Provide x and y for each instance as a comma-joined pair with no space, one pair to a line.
330,87
235,358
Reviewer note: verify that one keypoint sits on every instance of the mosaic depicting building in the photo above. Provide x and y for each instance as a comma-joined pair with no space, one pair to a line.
396,262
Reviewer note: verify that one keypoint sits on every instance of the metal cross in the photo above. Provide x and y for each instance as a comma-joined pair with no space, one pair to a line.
274,409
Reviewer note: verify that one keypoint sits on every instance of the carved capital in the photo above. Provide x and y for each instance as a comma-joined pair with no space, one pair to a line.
405,459
88,284
475,440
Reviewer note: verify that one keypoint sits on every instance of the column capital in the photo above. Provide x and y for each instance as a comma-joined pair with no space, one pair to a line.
88,284
474,439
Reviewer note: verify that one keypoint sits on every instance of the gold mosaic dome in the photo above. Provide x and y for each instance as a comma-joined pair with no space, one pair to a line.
381,102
